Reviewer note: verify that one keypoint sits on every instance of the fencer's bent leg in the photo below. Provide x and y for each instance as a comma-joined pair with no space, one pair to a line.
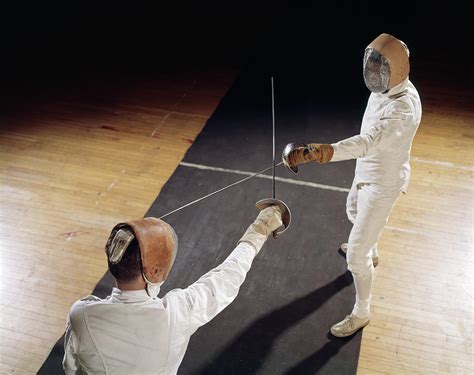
373,209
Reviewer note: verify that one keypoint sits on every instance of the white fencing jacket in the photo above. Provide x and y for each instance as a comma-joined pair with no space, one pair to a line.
131,333
382,148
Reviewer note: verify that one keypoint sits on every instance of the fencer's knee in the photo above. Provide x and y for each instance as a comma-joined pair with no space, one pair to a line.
362,271
360,264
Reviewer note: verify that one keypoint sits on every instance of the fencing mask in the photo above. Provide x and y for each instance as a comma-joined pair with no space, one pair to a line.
386,63
157,242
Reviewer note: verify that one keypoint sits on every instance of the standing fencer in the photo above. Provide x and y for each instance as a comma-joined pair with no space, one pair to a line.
382,150
133,331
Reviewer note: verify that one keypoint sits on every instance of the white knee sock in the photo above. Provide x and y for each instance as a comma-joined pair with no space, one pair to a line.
363,286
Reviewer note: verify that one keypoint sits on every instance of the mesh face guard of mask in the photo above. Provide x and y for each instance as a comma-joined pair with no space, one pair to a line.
376,71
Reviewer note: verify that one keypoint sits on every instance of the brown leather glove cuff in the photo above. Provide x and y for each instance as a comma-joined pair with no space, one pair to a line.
324,152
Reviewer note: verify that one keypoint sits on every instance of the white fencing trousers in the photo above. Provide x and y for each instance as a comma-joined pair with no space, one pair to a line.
368,208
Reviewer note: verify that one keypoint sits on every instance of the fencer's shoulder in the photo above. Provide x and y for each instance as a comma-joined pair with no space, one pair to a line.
410,85
78,308
408,101
174,297
411,94
179,301
90,298
83,303
399,105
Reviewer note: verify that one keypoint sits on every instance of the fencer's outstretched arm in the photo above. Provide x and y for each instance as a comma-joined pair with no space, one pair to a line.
214,291
387,132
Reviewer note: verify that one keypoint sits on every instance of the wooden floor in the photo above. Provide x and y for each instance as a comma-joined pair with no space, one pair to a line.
72,166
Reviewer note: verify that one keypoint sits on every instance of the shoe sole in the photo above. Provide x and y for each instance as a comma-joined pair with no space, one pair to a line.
351,333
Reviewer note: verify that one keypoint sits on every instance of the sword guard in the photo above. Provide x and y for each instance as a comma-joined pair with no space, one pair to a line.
286,152
285,213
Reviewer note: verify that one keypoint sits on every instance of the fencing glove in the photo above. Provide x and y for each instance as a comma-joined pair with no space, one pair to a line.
295,154
266,222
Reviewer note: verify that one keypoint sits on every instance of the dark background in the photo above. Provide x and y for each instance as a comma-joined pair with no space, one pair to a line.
50,45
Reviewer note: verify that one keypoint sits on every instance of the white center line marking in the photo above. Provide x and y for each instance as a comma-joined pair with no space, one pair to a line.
446,164
411,231
281,179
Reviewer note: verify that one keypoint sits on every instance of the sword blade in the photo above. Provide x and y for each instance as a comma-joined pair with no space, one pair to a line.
273,131
219,191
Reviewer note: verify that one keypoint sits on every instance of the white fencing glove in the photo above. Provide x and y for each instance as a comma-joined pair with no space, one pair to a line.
266,222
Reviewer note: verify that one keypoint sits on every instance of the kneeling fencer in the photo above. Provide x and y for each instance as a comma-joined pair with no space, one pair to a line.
133,331
382,150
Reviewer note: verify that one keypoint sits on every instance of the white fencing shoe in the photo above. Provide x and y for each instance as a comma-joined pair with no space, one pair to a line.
375,260
350,325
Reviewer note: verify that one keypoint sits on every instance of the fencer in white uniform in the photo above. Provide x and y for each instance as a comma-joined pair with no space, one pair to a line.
382,173
133,331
